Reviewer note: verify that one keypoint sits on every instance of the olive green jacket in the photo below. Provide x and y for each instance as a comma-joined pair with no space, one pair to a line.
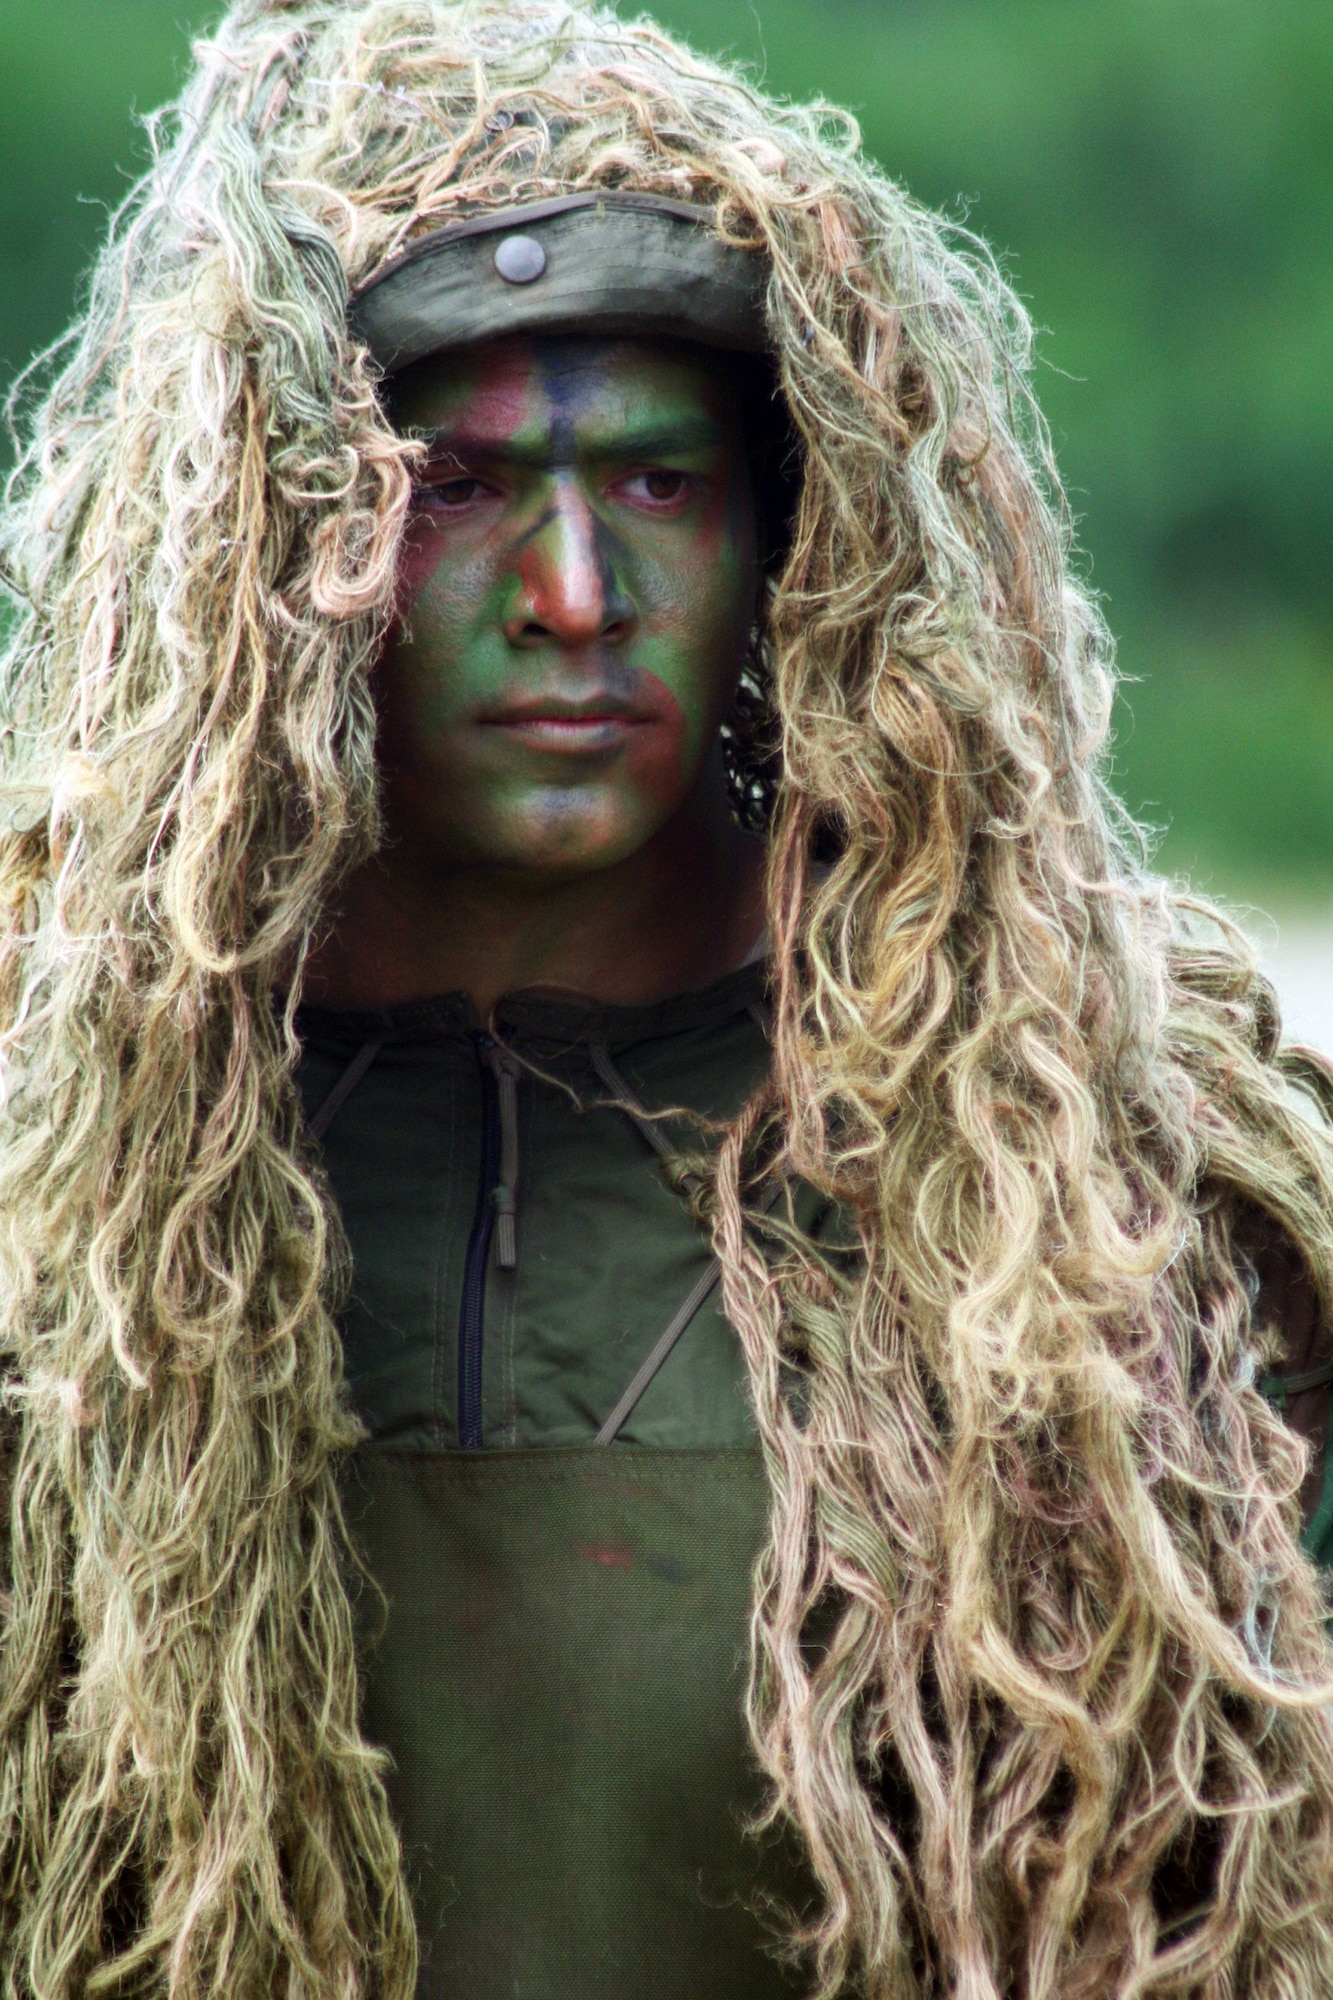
559,1676
564,1532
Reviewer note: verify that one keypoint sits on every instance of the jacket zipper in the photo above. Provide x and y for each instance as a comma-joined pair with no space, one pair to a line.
472,1310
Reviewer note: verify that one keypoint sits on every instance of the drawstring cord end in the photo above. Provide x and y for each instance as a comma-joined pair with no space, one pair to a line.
506,1233
505,1195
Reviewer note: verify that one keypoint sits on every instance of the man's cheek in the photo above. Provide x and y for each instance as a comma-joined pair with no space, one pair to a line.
444,644
420,553
695,656
659,760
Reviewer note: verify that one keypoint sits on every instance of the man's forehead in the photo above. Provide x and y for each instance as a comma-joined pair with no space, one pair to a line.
532,387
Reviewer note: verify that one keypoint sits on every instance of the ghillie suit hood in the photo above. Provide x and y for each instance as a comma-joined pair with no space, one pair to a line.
1028,1495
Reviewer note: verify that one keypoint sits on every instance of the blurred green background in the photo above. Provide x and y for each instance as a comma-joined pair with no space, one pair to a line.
1155,175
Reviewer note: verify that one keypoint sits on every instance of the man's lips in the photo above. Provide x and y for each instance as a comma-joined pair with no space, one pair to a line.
552,723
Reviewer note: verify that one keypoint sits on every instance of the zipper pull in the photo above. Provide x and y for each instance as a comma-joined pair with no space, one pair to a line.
505,1193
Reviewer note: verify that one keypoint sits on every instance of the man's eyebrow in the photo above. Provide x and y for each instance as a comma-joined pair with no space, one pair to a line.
657,439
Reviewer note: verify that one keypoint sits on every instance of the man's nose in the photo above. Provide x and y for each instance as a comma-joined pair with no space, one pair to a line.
568,590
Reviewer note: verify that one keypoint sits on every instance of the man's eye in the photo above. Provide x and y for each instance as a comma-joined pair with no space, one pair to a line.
659,486
449,496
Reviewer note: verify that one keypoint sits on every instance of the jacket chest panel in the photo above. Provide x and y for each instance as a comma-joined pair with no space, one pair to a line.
436,1327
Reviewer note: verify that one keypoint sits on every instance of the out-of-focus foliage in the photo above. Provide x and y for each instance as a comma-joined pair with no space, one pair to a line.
1155,176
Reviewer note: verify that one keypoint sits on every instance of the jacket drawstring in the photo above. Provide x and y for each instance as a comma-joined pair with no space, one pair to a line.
328,1110
623,1099
505,1196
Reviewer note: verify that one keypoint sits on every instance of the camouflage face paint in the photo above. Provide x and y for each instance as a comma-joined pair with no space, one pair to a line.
578,582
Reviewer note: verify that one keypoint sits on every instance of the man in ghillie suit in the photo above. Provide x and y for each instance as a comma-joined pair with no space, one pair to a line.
498,440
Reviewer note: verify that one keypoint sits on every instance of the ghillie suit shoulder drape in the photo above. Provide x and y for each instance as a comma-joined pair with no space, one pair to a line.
1028,1495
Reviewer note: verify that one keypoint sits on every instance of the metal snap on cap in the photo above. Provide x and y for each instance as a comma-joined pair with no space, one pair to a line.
520,259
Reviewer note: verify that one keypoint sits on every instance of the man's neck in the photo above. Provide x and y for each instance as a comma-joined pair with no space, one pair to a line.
684,910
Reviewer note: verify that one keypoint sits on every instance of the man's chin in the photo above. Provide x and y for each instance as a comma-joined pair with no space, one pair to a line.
562,852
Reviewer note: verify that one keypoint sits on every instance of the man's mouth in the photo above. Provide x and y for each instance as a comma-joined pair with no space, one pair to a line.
553,722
